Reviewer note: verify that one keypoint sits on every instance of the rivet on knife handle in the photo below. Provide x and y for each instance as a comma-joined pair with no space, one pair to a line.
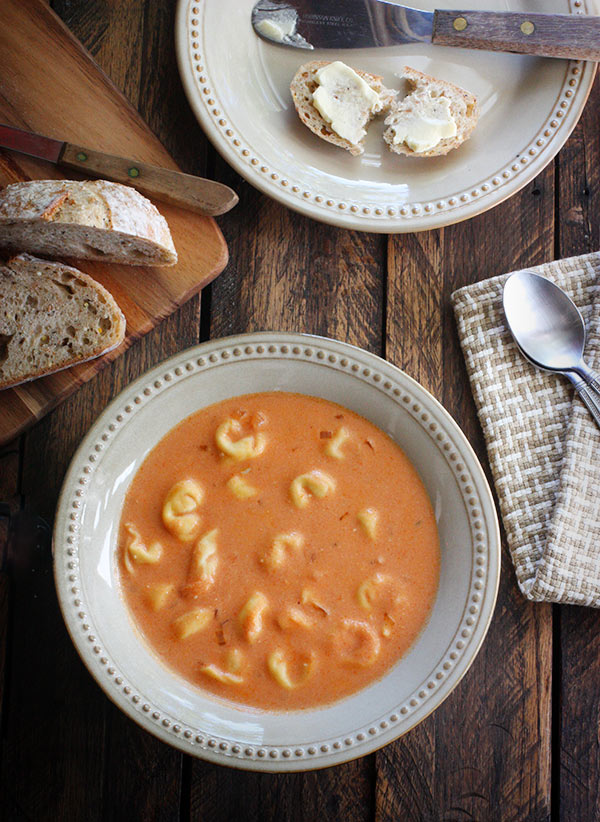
196,194
546,35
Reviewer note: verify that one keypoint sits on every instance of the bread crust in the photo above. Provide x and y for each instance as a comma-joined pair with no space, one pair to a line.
52,316
304,85
463,106
92,220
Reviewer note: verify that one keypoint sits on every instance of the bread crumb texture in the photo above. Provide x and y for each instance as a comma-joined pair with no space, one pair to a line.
52,316
423,88
305,84
93,220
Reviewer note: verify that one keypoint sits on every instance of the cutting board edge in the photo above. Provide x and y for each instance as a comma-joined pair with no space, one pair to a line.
101,362
27,414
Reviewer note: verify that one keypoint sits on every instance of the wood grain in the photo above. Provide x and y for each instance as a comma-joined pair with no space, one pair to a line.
195,194
577,664
472,759
10,504
87,742
547,35
77,102
49,722
485,754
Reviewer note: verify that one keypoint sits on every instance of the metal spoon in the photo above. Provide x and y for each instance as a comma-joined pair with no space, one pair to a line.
550,332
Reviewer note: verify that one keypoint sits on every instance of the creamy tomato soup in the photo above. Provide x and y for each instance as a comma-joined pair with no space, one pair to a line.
278,550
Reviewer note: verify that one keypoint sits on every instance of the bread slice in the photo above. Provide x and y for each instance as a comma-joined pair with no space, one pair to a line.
90,220
304,85
463,107
52,316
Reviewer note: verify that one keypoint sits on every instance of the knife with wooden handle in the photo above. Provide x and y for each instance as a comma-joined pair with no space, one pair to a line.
196,194
329,24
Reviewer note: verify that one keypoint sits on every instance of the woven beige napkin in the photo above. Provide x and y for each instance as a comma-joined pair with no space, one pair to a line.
543,445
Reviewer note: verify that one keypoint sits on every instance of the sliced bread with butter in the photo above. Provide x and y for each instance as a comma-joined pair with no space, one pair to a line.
434,118
52,316
89,220
305,84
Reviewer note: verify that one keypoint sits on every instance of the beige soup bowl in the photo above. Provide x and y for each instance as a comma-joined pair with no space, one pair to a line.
199,723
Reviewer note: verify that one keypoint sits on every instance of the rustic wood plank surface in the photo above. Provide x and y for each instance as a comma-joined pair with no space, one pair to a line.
85,106
578,629
518,739
501,772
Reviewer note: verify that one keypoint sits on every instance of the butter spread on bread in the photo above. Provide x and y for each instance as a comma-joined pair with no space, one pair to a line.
424,126
434,118
306,83
345,100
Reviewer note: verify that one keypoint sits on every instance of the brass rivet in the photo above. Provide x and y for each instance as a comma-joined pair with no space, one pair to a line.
133,172
81,157
460,24
527,27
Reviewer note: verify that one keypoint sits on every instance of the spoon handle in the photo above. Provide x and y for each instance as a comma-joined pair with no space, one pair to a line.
595,385
590,403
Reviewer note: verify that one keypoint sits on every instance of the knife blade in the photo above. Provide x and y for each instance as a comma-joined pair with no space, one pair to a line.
206,197
329,24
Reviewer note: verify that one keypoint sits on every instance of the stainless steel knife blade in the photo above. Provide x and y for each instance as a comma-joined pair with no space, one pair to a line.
33,144
331,24
351,24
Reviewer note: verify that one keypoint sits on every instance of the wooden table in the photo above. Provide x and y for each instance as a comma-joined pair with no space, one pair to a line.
518,739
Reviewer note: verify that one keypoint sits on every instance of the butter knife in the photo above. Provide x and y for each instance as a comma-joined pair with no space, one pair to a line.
330,24
206,197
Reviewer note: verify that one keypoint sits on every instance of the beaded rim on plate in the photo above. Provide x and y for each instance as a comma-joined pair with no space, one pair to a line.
448,439
351,213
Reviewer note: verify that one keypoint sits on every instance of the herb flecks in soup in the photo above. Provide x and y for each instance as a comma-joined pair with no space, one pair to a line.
278,550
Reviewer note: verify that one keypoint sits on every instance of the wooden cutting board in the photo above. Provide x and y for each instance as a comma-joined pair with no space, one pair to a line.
50,84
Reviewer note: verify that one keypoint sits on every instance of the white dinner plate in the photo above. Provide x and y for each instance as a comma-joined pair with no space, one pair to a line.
196,721
238,87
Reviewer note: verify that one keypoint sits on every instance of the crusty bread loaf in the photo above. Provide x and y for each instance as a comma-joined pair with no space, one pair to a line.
304,85
52,316
91,220
463,107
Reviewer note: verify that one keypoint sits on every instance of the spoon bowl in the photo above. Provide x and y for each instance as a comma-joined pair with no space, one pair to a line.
545,322
549,331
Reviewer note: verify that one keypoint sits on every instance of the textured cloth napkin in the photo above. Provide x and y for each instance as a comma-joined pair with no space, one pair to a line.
543,445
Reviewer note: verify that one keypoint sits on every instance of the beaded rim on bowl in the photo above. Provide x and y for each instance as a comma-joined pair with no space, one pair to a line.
442,431
367,215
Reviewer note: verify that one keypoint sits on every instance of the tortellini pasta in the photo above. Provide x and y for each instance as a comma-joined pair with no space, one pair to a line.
293,618
245,448
250,617
368,519
310,598
180,509
226,677
313,484
233,665
205,560
193,621
357,643
370,589
241,488
333,448
279,669
235,659
159,595
136,551
283,544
